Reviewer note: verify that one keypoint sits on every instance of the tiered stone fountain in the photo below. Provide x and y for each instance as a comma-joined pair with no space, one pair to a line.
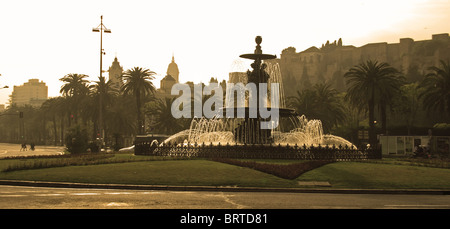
292,129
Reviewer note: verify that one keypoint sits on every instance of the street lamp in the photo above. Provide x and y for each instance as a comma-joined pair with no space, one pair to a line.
101,29
4,86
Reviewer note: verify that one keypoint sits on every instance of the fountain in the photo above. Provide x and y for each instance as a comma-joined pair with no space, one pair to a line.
239,133
292,128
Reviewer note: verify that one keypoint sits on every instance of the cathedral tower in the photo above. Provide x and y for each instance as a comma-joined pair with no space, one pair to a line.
172,70
115,72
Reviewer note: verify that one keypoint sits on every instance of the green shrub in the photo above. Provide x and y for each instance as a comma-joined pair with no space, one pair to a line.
77,140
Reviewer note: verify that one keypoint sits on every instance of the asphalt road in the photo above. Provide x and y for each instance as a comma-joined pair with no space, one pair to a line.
12,150
22,197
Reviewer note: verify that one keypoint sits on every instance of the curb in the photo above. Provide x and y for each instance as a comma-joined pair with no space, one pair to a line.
223,188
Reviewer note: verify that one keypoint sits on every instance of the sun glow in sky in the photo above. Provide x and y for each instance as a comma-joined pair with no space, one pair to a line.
48,39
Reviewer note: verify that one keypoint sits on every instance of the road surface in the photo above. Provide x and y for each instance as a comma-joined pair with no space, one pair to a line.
13,150
21,197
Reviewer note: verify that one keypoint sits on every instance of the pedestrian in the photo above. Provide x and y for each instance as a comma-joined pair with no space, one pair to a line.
32,146
24,147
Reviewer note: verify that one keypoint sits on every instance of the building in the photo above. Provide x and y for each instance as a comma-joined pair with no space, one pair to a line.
330,62
171,78
115,72
173,71
166,87
32,93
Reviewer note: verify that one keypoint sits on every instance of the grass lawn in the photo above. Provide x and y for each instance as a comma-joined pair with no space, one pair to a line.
359,175
169,172
385,174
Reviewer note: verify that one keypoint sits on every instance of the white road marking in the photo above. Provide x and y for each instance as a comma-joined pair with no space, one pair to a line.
228,200
85,194
114,204
12,195
149,193
117,193
51,194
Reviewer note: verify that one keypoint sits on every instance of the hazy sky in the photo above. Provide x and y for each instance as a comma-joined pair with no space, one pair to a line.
47,39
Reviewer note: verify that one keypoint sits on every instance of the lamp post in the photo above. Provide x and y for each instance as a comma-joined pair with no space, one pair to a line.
4,86
101,29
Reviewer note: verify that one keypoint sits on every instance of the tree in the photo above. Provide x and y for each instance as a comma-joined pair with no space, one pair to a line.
321,102
138,83
408,104
387,98
75,88
119,119
74,84
103,94
164,123
303,102
436,93
369,84
49,109
77,140
56,108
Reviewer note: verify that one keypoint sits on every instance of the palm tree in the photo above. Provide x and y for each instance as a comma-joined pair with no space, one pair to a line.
331,111
47,109
164,121
371,83
138,83
321,102
303,102
119,119
75,88
74,84
103,96
436,85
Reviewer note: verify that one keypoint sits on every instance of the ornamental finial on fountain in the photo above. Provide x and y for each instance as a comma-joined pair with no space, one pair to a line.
258,41
258,55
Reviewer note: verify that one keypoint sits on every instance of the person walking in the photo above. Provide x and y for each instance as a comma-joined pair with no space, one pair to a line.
24,147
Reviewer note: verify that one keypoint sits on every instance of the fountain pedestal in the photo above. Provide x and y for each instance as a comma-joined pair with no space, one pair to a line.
249,131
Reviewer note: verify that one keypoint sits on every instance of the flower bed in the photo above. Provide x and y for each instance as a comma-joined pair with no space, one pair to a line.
286,171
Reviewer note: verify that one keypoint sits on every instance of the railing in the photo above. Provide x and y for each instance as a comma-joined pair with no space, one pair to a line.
258,151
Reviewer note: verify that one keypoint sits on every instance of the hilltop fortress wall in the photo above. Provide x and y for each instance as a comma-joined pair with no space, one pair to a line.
330,62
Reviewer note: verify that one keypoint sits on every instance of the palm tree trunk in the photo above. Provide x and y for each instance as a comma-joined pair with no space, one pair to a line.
372,136
62,129
55,129
139,118
44,130
70,119
383,117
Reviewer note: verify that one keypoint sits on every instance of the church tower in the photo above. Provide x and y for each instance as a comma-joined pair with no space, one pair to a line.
172,70
115,72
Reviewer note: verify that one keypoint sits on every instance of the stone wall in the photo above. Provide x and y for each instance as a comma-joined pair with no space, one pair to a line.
331,61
